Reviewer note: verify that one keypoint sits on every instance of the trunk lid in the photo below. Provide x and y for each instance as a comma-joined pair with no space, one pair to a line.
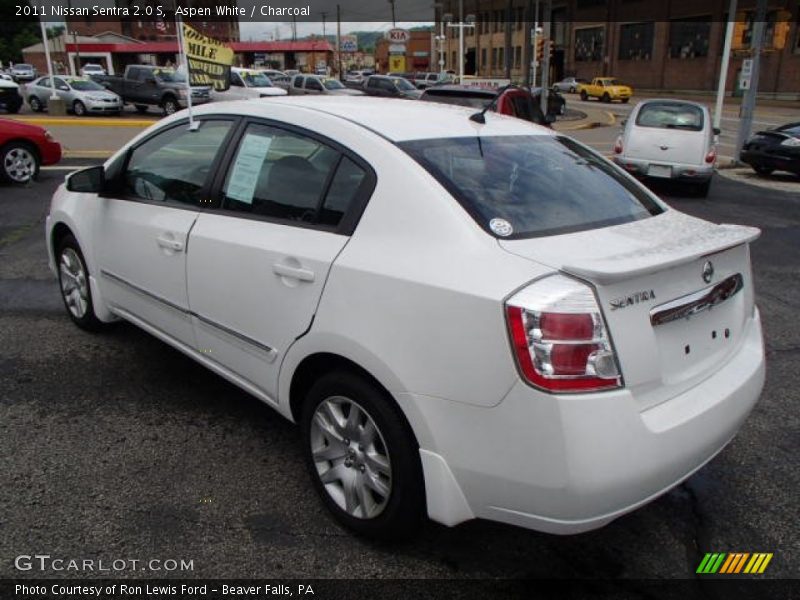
671,326
669,146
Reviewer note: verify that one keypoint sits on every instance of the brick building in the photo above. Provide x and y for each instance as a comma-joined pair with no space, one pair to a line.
417,55
674,45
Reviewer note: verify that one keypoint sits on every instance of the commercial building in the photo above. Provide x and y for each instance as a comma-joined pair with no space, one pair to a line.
674,45
414,55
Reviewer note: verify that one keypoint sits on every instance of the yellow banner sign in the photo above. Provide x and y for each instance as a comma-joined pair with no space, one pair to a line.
209,60
397,63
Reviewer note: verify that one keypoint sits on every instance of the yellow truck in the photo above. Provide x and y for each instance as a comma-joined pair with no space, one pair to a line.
606,89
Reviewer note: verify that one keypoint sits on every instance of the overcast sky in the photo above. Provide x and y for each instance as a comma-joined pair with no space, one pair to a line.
262,31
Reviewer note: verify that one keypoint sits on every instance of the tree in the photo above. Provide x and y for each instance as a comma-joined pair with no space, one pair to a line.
16,32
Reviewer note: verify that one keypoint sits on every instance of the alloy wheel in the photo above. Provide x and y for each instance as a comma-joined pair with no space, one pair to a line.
19,164
74,284
351,457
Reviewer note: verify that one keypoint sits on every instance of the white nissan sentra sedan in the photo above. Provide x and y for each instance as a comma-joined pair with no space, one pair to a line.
467,320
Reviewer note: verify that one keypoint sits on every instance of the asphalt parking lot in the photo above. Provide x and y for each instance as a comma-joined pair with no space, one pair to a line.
115,445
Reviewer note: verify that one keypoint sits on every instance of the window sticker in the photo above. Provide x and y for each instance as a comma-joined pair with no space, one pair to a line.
501,227
247,168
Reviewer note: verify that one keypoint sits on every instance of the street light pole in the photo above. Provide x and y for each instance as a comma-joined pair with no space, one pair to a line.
461,25
723,69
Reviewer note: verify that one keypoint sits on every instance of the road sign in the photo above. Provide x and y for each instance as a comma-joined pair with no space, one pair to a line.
348,43
747,67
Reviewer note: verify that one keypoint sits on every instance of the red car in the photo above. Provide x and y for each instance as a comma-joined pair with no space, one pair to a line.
23,149
513,101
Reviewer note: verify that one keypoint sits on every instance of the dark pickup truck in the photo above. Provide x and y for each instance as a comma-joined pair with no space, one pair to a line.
145,85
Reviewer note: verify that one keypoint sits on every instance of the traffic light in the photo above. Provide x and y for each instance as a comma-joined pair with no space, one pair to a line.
550,46
539,48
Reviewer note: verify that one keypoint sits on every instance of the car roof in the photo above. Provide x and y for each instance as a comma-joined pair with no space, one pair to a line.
671,101
397,120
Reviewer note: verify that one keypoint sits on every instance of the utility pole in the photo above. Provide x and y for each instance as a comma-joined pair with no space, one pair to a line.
324,16
723,69
394,21
547,29
339,40
535,34
749,100
507,51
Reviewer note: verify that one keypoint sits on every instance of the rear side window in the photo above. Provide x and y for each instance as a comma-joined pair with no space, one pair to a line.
283,175
539,185
670,115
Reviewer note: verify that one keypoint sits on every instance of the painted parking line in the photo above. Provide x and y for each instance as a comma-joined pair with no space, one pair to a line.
44,121
88,153
64,167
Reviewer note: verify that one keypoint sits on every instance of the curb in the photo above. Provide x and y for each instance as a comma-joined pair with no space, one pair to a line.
86,122
87,153
611,120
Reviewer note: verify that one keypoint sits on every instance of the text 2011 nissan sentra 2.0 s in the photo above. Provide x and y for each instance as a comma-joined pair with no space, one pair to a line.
466,320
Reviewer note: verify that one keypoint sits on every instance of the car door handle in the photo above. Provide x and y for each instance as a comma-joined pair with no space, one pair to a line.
170,243
293,272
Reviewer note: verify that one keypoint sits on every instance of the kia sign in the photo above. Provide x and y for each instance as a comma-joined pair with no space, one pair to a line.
398,36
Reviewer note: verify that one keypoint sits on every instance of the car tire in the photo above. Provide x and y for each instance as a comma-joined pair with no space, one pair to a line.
605,98
141,108
169,106
79,108
625,100
584,95
35,104
19,163
763,171
73,283
371,482
13,109
572,90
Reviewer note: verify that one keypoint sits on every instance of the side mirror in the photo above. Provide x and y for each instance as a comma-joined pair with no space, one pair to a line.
717,131
88,181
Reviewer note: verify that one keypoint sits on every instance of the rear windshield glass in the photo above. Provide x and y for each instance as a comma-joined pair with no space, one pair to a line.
539,185
670,115
458,98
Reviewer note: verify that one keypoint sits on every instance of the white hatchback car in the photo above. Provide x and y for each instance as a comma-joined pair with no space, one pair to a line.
466,320
669,139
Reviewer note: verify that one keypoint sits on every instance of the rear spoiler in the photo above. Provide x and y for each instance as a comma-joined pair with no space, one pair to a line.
618,267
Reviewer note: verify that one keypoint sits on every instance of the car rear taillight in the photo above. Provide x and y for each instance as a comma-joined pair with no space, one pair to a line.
559,337
711,156
618,146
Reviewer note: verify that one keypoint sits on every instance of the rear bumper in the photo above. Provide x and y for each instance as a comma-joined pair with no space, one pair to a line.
680,171
574,463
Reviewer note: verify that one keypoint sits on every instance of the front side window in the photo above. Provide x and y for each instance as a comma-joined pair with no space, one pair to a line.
670,115
173,165
313,84
332,84
284,175
541,185
298,82
403,85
